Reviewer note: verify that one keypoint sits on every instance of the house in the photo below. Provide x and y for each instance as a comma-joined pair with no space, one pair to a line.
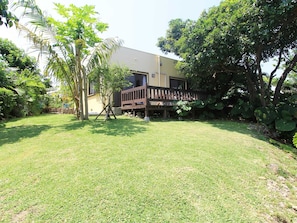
156,84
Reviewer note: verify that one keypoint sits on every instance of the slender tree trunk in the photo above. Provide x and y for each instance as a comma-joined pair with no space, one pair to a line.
85,90
76,101
260,78
272,74
80,83
81,104
251,88
282,79
107,116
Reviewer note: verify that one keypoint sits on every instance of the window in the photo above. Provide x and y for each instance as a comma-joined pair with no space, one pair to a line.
137,80
177,84
140,80
91,89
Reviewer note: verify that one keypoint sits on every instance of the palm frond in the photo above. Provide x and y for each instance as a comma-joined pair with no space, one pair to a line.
101,53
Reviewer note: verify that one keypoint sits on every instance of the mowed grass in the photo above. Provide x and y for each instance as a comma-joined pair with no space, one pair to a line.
57,169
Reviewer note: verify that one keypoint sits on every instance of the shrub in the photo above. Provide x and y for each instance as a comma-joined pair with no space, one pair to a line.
242,109
7,102
281,119
208,108
182,108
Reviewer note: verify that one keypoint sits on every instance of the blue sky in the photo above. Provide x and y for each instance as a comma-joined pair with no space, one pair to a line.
138,23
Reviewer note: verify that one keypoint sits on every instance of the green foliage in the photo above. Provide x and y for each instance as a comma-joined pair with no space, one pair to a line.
242,109
6,17
223,53
266,115
281,119
72,44
295,140
182,108
16,57
109,79
7,102
287,118
284,125
79,24
208,108
226,47
22,87
212,104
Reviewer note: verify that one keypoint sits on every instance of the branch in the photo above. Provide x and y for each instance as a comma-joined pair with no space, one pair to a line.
272,74
282,79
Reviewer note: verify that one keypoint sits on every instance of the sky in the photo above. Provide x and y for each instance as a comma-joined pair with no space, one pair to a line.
139,23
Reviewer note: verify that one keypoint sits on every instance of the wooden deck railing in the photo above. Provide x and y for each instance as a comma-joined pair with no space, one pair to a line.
140,97
136,96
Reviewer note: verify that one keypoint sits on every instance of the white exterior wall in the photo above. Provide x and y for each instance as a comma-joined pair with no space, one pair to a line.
157,68
149,64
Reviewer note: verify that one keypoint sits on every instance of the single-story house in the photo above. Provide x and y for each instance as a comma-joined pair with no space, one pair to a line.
156,84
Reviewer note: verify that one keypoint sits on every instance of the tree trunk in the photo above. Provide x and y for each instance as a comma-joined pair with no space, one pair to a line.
81,104
80,83
251,88
76,101
260,78
85,90
282,79
272,74
107,116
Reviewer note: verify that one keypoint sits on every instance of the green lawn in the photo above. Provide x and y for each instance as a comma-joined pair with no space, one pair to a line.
57,169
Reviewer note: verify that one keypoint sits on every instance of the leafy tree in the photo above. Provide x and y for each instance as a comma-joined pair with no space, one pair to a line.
73,46
223,52
6,17
21,87
109,79
16,58
227,46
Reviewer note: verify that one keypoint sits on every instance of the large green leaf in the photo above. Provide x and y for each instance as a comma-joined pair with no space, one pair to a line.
284,125
199,104
265,115
216,106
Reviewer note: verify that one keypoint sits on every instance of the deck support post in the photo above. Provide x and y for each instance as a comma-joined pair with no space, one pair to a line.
165,113
146,117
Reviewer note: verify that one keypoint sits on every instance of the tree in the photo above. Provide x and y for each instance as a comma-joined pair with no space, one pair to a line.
227,46
109,79
6,17
223,52
21,86
73,46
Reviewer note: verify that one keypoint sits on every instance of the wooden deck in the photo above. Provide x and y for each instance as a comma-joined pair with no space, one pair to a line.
158,98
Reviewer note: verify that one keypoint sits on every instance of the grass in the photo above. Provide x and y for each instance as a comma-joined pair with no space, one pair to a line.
57,169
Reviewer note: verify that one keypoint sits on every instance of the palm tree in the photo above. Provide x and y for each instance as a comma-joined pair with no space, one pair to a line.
73,48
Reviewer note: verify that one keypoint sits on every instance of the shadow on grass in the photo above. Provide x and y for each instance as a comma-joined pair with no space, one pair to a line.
251,130
232,126
121,127
16,133
114,127
228,125
239,127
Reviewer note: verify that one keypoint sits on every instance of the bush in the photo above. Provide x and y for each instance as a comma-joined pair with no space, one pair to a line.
282,119
7,102
182,108
208,108
243,109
